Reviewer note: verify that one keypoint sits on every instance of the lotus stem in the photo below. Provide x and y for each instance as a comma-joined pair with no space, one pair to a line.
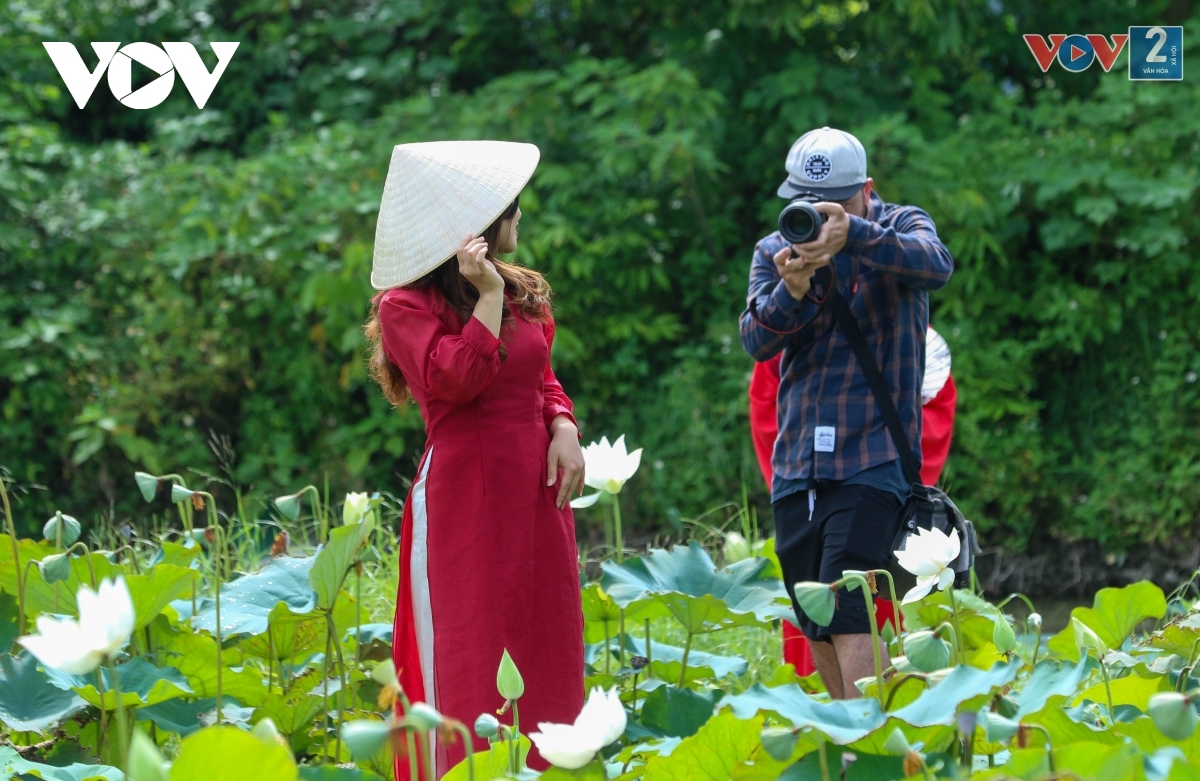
903,679
687,649
358,614
1107,691
469,745
869,599
823,760
184,508
946,626
620,541
607,649
102,732
122,727
12,535
895,609
325,507
87,557
58,527
331,632
218,544
958,635
516,719
621,640
413,773
1049,745
649,652
1016,595
507,732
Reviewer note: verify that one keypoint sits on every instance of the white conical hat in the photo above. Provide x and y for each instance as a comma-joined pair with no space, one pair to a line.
438,192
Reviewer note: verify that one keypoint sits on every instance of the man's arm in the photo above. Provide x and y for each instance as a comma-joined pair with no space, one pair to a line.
911,251
774,315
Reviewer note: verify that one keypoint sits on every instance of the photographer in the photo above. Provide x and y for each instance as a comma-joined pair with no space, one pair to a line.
838,483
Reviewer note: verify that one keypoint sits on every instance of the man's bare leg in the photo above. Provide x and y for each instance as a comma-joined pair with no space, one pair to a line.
855,660
826,659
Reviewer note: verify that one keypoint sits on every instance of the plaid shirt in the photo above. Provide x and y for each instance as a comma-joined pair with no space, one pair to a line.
889,263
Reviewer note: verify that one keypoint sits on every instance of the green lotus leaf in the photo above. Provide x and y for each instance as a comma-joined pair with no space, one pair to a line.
592,771
224,753
174,553
9,616
1097,760
147,484
670,711
195,655
157,588
817,600
726,747
1050,678
843,721
332,773
70,530
599,611
183,716
295,709
247,602
291,635
12,765
141,683
701,597
28,701
146,762
1114,614
666,661
492,763
335,558
940,704
926,651
42,597
779,742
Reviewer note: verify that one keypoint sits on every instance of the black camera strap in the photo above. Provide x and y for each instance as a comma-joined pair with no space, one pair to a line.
879,389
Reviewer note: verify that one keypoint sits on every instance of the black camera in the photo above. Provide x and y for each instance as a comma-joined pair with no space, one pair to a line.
800,222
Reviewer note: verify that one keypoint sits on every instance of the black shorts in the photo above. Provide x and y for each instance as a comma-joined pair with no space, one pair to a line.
852,527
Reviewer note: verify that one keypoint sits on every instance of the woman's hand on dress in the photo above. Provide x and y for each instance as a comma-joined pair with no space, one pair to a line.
474,265
564,454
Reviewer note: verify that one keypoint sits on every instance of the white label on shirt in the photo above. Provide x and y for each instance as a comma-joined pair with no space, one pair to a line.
825,439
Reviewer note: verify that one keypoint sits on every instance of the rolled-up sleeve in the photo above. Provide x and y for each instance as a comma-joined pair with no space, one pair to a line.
452,366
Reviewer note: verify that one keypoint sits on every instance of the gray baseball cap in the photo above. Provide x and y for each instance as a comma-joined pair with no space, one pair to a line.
828,163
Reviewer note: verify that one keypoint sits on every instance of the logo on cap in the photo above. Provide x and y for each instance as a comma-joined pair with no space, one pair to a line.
817,167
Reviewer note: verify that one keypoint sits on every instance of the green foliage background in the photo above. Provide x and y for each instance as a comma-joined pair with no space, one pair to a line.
173,274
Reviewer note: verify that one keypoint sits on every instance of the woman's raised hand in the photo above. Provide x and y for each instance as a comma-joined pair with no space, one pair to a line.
476,268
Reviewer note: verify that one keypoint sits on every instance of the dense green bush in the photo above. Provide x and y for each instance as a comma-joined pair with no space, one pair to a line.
172,277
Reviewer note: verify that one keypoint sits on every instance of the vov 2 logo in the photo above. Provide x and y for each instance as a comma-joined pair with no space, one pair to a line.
171,58
1155,53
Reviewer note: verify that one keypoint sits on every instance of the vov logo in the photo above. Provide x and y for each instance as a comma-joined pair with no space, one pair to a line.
167,60
1075,52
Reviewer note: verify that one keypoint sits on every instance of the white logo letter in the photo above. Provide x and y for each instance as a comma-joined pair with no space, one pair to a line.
199,82
79,80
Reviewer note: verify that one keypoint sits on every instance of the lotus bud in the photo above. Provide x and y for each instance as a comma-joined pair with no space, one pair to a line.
147,484
926,651
266,731
179,493
423,717
355,508
288,506
55,568
817,600
487,726
1002,635
897,743
509,682
780,742
1173,714
70,529
364,737
146,763
1086,639
1035,619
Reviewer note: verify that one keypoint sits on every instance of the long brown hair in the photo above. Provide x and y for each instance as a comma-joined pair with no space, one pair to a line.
525,290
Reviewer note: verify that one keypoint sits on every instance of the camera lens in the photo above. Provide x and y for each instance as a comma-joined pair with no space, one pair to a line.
800,222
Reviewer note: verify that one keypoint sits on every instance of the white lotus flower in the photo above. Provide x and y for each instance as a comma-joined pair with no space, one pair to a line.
607,467
928,555
571,746
356,508
106,620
